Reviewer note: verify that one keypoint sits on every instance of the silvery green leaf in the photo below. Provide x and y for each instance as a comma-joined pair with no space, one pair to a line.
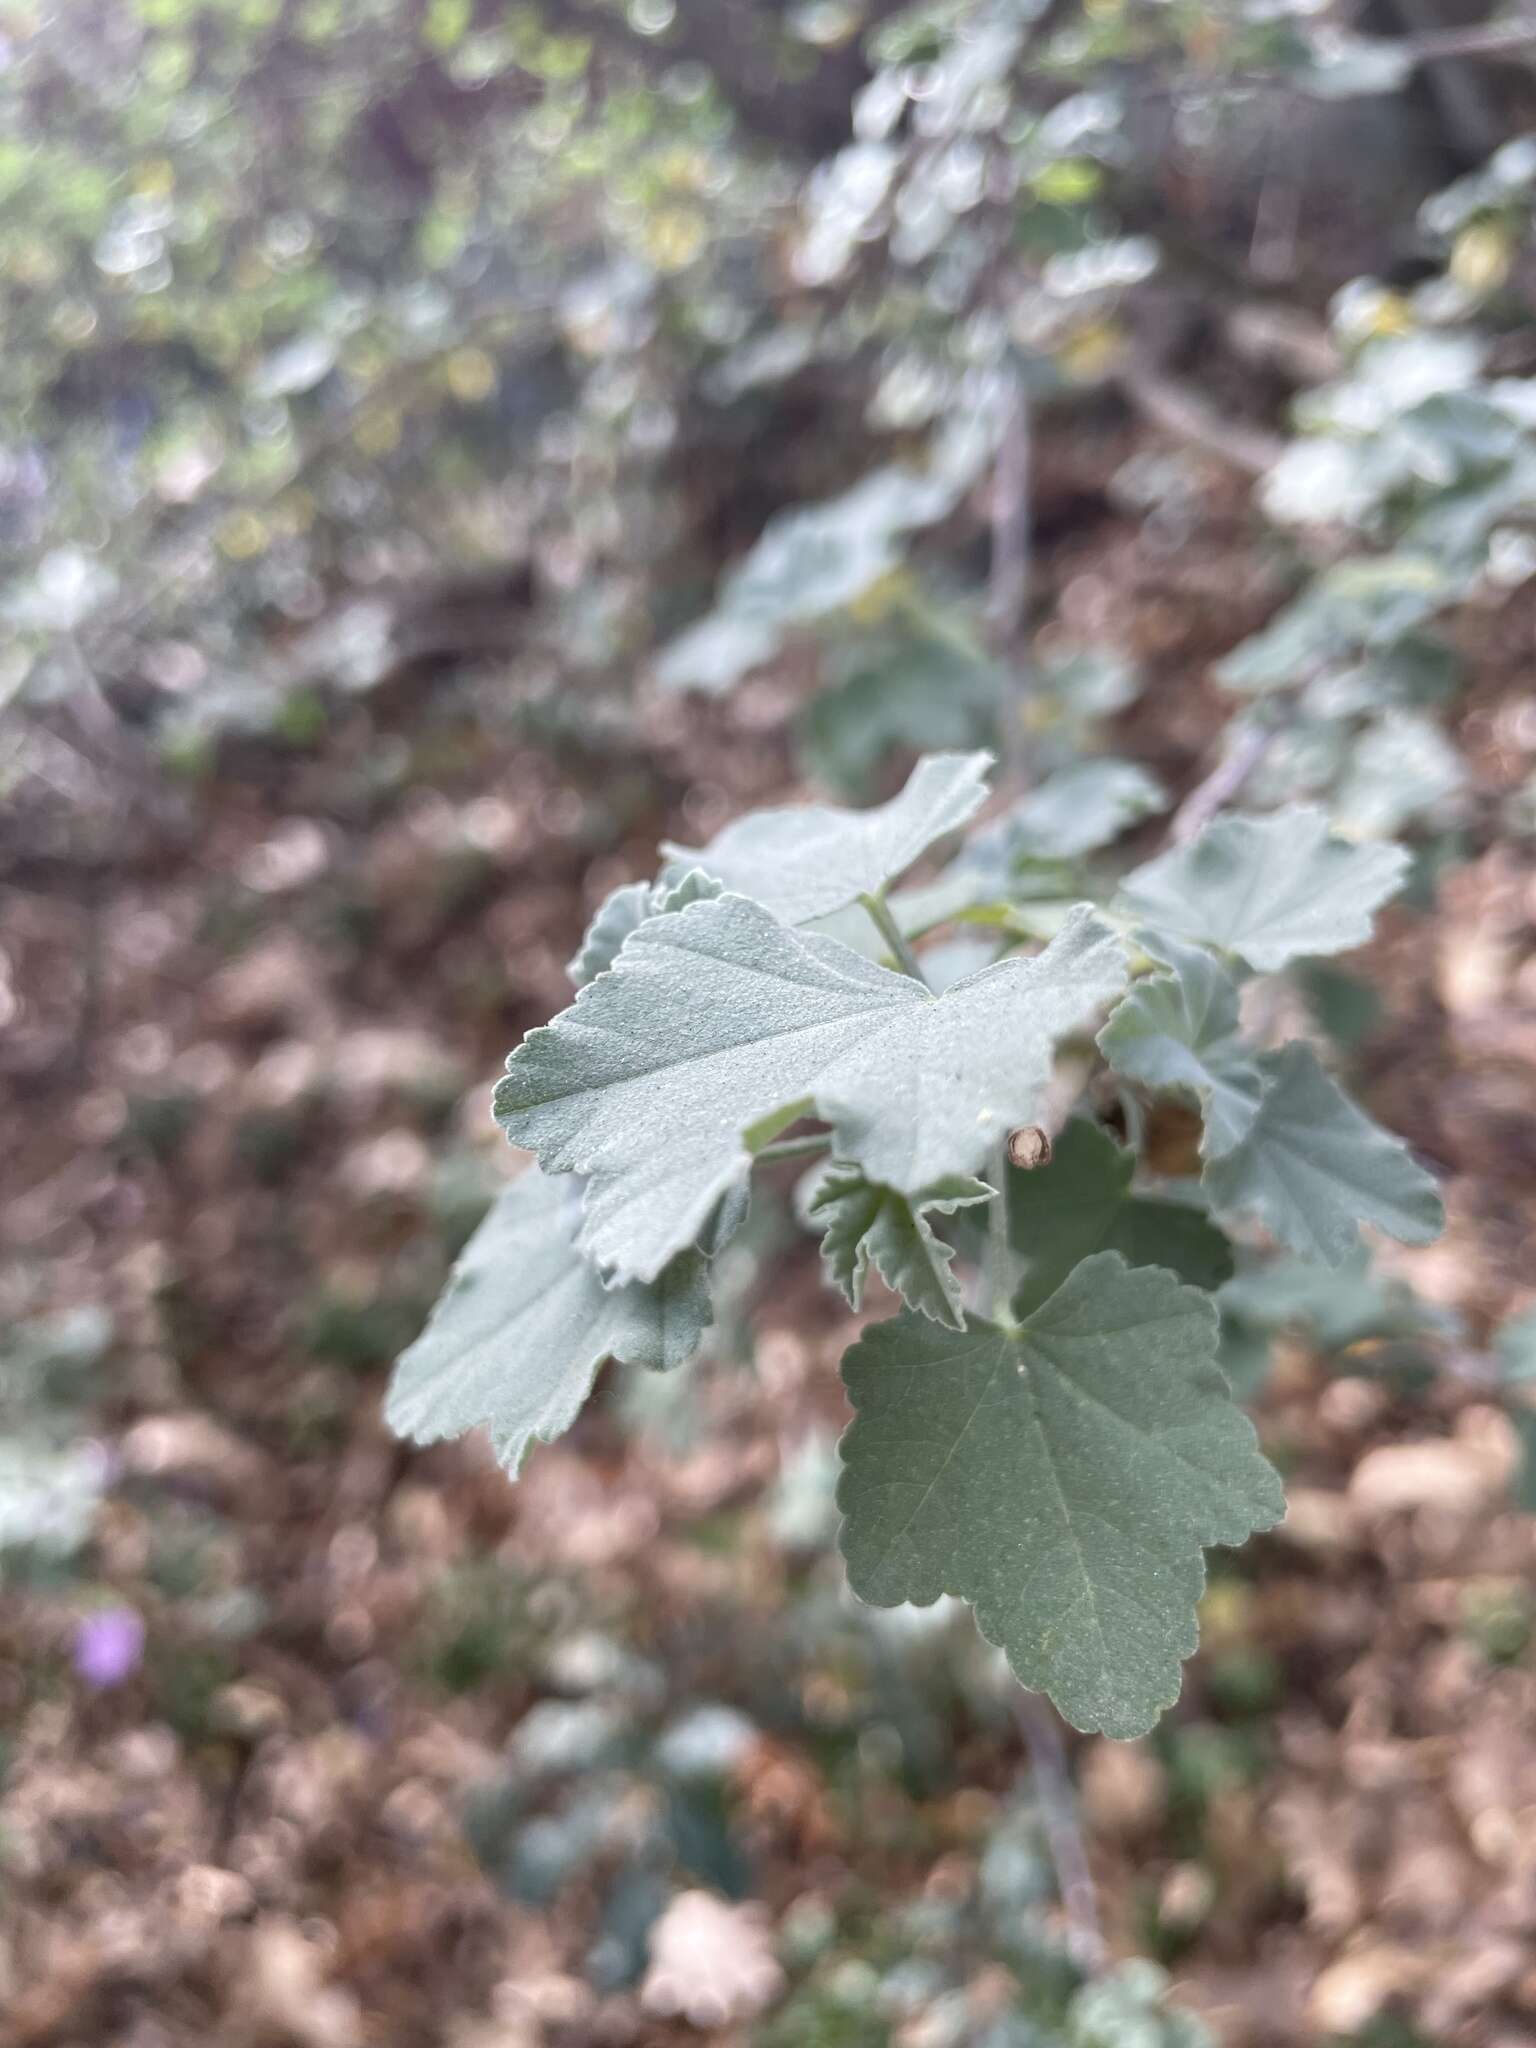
1180,1030
922,692
1063,1476
1400,766
517,1339
805,861
867,1224
1351,67
716,652
1514,1348
717,1027
621,912
1313,1167
1081,1202
1268,889
1073,812
625,909
1336,1307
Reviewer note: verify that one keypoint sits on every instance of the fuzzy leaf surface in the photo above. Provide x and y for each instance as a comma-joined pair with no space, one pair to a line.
524,1324
1179,1030
1268,889
804,861
1064,1477
870,1225
1082,1203
1313,1167
720,1023
624,909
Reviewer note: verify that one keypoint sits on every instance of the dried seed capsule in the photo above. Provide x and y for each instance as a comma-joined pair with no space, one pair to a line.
1029,1146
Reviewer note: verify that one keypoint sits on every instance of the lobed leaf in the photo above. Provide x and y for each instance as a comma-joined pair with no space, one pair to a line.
524,1325
1268,889
804,861
1063,1476
1179,1030
867,1224
719,1023
1313,1167
624,910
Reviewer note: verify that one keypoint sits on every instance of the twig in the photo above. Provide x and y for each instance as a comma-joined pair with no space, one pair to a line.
1183,413
1223,782
890,931
1064,1837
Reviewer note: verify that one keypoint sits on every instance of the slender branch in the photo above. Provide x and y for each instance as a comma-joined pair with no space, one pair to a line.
1058,1811
1223,782
1008,591
890,931
999,1267
1186,415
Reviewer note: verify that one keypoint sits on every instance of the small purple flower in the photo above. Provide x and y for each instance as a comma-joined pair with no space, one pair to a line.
109,1645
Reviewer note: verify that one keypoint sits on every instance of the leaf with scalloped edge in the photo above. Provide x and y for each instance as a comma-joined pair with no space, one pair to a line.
1179,1030
718,1026
803,861
1268,889
624,909
870,1225
1313,1167
524,1325
1064,1476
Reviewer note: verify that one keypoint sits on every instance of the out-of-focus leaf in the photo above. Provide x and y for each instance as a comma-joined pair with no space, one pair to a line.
1268,889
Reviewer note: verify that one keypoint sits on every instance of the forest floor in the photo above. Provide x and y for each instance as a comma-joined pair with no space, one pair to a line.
249,1087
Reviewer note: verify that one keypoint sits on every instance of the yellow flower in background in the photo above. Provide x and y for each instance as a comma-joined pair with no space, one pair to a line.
674,238
1480,260
470,375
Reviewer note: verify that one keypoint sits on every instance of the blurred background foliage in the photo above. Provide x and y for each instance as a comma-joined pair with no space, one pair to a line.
445,444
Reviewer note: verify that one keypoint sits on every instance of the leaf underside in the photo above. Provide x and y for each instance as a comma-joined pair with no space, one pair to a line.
524,1325
870,1225
719,1021
1064,1477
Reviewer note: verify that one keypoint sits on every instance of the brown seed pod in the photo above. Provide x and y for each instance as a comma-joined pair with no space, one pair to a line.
1029,1146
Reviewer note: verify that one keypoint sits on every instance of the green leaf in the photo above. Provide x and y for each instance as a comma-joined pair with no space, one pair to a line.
804,861
1082,1203
720,1020
1180,1030
1267,889
1335,1306
518,1337
1073,812
867,1224
1064,1477
625,909
924,691
1313,1167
